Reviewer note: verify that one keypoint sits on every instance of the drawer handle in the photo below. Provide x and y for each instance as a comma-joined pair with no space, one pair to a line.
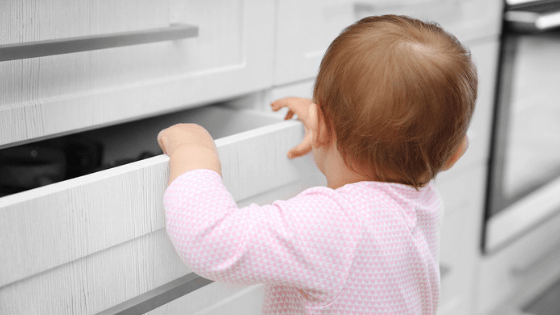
86,43
158,296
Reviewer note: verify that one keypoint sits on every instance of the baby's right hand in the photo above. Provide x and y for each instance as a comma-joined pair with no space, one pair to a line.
300,107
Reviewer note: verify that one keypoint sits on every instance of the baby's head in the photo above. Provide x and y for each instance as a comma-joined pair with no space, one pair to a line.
398,94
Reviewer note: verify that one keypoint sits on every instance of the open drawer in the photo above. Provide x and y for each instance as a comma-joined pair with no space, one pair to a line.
84,245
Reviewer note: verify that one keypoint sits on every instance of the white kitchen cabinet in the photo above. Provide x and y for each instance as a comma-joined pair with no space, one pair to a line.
463,197
231,54
306,28
84,245
304,31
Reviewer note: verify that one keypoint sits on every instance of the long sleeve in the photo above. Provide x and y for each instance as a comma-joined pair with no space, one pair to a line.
307,242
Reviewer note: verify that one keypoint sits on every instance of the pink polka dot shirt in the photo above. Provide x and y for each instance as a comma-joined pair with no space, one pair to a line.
364,248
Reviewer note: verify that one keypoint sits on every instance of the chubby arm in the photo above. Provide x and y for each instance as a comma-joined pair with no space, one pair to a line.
306,242
189,147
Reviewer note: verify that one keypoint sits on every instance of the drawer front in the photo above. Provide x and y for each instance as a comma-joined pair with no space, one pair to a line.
89,243
230,54
306,28
462,189
463,197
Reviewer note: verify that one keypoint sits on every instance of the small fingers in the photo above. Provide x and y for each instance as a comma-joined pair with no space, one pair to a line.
284,102
301,149
289,115
298,105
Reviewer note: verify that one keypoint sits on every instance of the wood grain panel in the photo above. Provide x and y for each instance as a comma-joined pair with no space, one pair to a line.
103,279
463,199
98,281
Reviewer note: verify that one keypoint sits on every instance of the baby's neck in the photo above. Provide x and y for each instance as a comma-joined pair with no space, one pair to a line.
339,182
338,174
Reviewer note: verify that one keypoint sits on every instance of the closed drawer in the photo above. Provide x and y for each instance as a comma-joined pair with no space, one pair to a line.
306,28
86,244
463,197
462,189
518,273
43,96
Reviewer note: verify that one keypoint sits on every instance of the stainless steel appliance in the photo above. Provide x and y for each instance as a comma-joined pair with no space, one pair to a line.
524,179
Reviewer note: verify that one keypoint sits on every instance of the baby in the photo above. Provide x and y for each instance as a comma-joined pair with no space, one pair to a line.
391,106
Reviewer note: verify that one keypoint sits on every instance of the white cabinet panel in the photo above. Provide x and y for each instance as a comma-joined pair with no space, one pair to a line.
463,198
306,28
50,95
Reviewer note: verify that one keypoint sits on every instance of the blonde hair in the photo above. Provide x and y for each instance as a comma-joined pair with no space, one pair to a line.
399,94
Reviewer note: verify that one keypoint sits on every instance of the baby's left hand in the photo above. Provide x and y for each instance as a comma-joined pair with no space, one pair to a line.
189,147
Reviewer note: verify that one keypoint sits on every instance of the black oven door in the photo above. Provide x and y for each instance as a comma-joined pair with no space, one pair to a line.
524,177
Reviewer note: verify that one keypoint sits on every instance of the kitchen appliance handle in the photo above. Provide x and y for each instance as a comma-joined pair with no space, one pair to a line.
532,21
94,42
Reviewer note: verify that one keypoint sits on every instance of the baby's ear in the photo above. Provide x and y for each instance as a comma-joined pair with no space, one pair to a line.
458,154
317,126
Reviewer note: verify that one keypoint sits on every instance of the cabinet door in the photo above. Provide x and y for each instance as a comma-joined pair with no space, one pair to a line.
305,30
307,27
230,54
90,243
